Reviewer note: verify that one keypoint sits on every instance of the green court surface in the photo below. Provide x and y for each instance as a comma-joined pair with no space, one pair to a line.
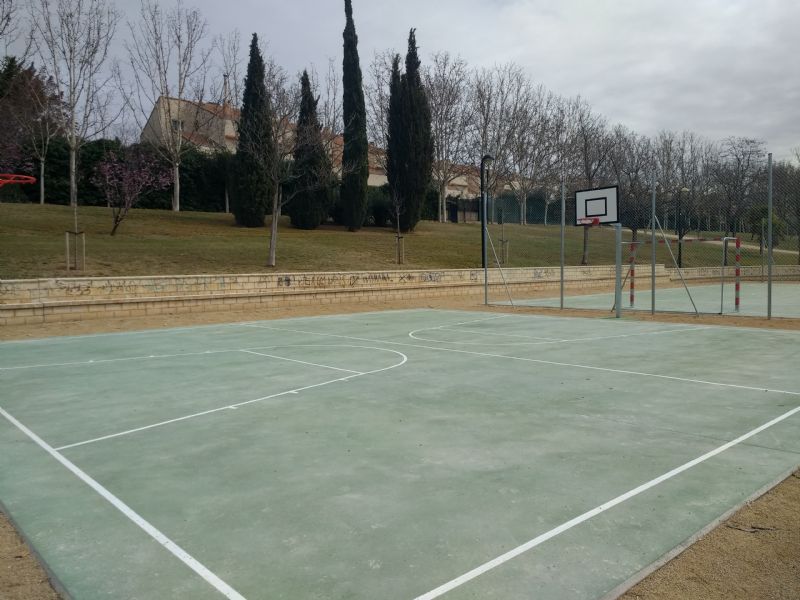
411,454
708,299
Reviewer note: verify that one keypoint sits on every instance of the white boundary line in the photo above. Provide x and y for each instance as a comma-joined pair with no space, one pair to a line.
302,362
252,401
540,539
546,341
538,361
100,361
191,562
496,333
191,328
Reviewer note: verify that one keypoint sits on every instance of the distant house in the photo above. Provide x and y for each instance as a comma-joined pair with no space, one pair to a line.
208,126
212,127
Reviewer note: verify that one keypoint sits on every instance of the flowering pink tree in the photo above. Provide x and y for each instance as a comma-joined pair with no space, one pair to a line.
125,175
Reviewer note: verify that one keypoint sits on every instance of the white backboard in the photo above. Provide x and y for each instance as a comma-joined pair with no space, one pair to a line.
598,203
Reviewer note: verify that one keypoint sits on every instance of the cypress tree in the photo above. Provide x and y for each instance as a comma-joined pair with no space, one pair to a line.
311,166
355,154
419,152
255,152
396,142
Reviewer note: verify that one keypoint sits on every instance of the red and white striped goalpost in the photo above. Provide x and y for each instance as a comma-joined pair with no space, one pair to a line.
633,247
738,272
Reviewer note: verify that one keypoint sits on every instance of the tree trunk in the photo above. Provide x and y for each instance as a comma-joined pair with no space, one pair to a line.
442,203
273,229
176,188
546,206
397,240
523,207
41,182
585,257
227,201
73,176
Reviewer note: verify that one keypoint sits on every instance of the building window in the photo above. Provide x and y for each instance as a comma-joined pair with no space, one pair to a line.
177,125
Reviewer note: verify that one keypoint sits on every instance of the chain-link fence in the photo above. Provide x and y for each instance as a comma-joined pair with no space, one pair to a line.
707,249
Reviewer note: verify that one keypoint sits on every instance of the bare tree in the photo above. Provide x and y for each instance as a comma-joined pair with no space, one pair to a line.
446,83
229,50
497,96
562,134
376,96
7,15
631,160
41,117
72,39
169,67
285,106
534,146
329,94
786,194
11,29
737,172
285,100
592,147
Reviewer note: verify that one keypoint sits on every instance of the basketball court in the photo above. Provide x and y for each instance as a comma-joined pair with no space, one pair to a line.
714,282
708,298
411,454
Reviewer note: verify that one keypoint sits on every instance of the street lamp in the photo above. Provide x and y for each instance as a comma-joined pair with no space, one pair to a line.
487,158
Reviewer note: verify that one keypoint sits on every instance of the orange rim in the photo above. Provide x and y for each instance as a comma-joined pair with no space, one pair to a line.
7,178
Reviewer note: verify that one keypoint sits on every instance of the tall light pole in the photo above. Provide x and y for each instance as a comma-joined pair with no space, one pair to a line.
487,158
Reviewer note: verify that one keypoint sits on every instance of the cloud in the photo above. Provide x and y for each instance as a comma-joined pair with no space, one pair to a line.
717,67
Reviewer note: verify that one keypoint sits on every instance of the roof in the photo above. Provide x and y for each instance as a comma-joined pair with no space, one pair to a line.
218,110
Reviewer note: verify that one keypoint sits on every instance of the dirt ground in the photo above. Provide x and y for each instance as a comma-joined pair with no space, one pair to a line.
753,555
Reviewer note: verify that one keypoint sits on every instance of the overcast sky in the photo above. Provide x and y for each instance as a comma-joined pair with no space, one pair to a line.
717,67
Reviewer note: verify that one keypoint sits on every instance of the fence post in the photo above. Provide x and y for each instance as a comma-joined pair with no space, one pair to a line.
738,272
769,235
563,232
618,264
653,249
632,270
722,275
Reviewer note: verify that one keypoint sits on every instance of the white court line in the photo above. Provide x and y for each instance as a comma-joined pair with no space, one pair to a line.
246,402
539,361
413,335
79,337
195,565
302,362
100,361
496,333
540,539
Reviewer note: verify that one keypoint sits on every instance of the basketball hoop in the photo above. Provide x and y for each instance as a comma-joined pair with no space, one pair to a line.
597,206
10,178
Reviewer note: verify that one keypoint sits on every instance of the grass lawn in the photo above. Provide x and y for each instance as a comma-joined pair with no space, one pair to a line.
154,242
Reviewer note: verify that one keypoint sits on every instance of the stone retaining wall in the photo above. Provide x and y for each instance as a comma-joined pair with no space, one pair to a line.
43,300
779,272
